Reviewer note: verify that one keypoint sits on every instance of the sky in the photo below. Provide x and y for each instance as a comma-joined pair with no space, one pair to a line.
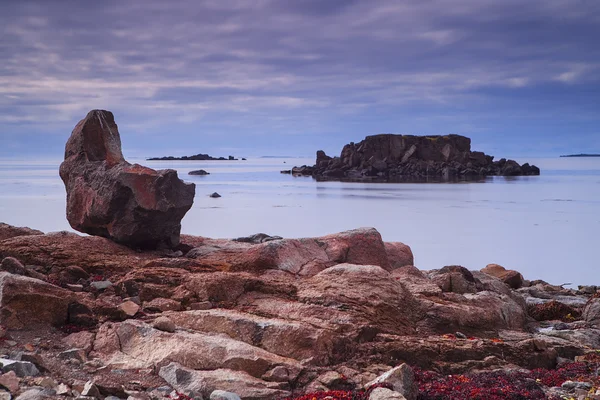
282,77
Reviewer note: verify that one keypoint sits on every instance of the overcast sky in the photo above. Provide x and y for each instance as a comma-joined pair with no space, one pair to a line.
288,77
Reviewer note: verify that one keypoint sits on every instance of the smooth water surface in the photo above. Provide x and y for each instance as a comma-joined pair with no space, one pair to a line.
547,227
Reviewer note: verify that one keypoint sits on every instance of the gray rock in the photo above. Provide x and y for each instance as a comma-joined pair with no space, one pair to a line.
101,285
4,395
199,172
223,395
21,368
36,394
402,380
572,385
385,394
215,195
111,398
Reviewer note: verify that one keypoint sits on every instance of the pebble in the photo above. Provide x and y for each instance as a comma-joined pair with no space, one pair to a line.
90,389
101,285
223,395
4,395
129,308
75,288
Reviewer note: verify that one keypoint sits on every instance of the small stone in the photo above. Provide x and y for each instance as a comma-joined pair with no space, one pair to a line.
385,394
460,335
75,288
164,324
63,390
4,395
111,398
223,395
202,305
10,380
45,382
215,195
74,354
90,389
20,368
101,285
129,308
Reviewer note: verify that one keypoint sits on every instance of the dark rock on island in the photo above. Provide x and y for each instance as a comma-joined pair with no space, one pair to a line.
200,172
197,157
389,157
107,196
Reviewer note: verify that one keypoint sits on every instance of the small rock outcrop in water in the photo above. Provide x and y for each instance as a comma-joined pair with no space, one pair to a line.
196,157
396,157
199,172
107,196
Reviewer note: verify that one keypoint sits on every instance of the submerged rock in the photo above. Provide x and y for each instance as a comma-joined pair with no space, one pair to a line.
109,197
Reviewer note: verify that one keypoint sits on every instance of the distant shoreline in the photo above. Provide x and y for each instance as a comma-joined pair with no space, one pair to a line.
581,155
197,157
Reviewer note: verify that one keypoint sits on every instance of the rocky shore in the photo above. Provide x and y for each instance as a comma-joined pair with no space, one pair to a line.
340,316
397,158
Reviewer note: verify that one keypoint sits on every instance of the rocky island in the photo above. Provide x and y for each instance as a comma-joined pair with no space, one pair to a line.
196,157
581,155
342,316
390,158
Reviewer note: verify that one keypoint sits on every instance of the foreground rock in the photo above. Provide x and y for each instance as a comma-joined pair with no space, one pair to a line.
390,157
107,196
267,318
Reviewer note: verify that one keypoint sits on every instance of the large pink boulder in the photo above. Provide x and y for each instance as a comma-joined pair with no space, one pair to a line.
107,196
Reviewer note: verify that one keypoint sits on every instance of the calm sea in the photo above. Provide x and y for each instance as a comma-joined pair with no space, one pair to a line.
547,227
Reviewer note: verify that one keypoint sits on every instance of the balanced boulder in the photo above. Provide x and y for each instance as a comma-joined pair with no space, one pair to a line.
107,196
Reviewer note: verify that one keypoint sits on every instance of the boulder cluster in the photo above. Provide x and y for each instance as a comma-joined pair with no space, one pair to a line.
389,157
344,315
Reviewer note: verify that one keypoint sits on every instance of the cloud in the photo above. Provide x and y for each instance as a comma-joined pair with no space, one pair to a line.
308,62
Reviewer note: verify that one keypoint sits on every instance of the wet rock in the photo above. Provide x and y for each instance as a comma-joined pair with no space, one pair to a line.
214,195
107,196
